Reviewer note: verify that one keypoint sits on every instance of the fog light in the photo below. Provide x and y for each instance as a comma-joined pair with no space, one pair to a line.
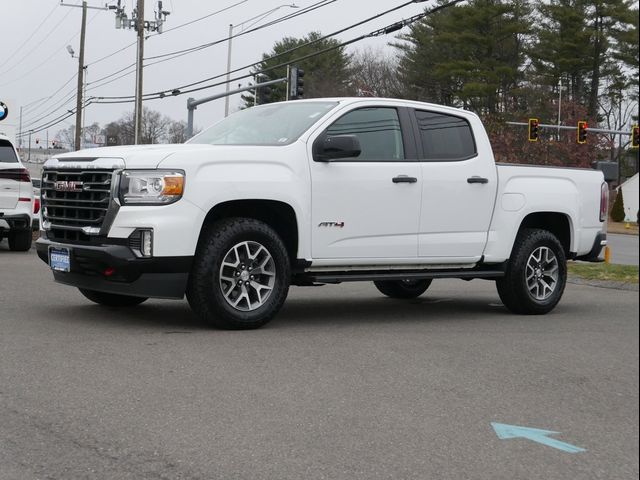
146,247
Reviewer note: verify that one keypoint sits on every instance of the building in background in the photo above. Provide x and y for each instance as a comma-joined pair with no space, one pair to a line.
630,196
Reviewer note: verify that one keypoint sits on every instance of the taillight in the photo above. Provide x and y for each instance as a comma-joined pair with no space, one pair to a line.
19,174
36,205
604,201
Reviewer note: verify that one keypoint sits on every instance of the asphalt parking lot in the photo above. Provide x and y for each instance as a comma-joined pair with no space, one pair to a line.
343,384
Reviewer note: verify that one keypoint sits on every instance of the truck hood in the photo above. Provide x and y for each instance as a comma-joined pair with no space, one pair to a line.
134,156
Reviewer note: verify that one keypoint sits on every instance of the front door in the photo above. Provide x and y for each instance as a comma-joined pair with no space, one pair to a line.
367,207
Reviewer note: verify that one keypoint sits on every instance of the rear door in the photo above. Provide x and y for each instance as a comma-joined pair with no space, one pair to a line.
9,185
459,187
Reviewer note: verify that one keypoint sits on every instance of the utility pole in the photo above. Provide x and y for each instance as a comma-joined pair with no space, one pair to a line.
79,96
140,66
81,68
141,26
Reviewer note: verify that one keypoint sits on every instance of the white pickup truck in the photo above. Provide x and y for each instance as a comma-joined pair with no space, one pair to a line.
316,192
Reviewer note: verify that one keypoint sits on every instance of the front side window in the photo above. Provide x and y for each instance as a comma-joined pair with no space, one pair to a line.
271,124
377,129
7,154
445,137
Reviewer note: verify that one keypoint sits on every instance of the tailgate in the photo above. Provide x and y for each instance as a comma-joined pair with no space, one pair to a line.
9,192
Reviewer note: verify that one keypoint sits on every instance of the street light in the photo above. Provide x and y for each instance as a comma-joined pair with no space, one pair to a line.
257,19
82,112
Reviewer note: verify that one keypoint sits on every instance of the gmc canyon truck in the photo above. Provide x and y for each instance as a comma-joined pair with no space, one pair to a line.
315,192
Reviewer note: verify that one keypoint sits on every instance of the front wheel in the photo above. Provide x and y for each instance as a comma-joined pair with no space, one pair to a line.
536,275
241,274
403,288
111,299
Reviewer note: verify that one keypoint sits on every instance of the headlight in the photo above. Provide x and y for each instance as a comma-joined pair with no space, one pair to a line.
151,187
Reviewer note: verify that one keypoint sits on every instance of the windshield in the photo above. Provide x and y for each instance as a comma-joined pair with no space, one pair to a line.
271,124
7,154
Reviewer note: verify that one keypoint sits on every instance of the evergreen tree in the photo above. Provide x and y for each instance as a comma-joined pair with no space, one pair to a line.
469,55
326,75
617,211
585,43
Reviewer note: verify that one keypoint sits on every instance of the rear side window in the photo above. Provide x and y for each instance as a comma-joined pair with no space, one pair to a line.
7,154
445,137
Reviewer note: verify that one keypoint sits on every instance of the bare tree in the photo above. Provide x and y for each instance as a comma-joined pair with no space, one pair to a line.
374,74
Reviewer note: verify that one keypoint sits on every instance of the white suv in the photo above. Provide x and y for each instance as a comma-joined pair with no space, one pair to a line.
16,198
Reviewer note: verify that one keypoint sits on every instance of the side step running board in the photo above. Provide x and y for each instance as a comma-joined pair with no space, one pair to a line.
338,277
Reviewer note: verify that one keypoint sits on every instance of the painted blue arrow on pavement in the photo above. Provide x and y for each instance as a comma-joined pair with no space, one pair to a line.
506,432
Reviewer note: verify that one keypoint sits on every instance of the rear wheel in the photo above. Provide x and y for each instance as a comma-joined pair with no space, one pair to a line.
241,274
403,288
111,299
536,275
20,241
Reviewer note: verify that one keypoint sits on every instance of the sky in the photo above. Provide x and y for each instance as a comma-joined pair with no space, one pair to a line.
36,70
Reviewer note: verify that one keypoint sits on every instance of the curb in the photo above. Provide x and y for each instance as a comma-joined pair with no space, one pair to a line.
613,285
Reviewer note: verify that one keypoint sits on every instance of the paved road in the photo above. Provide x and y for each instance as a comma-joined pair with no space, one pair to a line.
624,249
344,384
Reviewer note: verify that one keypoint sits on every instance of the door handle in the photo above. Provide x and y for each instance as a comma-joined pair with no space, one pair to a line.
404,179
476,179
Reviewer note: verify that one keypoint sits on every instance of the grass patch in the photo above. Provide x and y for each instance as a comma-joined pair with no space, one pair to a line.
604,272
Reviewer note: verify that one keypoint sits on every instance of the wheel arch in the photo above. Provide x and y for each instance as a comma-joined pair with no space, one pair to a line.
277,214
559,224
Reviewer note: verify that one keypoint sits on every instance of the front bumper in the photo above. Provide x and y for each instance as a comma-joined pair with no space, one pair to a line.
114,268
598,245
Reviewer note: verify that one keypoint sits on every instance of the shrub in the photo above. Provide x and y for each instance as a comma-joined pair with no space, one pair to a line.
617,211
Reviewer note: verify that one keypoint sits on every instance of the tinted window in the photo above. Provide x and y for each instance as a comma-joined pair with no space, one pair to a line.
271,124
7,154
445,137
377,129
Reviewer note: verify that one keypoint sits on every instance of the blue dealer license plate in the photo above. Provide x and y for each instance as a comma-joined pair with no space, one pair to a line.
59,259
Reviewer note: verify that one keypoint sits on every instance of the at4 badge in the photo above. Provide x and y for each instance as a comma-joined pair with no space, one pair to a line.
332,224
4,111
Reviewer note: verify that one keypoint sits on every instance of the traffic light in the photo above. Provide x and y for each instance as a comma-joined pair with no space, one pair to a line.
295,83
263,94
582,132
534,125
635,134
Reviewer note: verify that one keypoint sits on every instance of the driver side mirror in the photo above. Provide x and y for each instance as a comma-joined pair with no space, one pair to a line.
333,147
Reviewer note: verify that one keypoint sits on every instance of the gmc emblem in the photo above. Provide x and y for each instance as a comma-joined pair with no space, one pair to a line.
66,186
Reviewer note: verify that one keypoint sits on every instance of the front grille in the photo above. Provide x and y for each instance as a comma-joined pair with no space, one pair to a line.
66,213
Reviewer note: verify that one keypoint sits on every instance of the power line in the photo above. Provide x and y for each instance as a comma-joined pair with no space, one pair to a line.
36,30
383,31
49,57
367,20
33,107
315,6
37,45
166,31
171,56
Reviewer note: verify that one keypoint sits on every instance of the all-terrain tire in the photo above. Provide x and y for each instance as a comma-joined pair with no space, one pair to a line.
111,299
210,292
403,288
20,241
520,292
